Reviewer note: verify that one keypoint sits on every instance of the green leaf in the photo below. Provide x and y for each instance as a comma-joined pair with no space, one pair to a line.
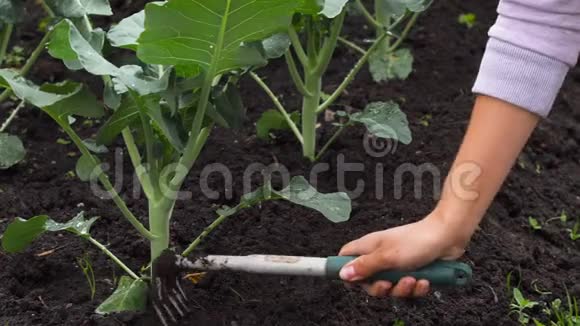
126,114
399,7
86,169
228,104
333,8
276,45
78,225
130,295
68,44
11,151
127,32
310,7
11,11
134,77
80,8
534,224
274,120
92,146
59,100
328,8
210,33
394,65
21,233
385,120
169,126
335,206
468,19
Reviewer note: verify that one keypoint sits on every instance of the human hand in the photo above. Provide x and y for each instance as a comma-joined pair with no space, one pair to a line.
406,247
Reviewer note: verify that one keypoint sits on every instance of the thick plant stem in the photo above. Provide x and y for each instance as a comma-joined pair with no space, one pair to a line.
159,218
309,115
191,153
279,106
7,33
29,63
12,117
113,257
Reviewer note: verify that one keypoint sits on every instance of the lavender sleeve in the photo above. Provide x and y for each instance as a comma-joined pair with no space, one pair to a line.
531,48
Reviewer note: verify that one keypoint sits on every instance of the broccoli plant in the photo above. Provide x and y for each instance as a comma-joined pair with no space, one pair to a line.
396,19
192,53
311,42
11,12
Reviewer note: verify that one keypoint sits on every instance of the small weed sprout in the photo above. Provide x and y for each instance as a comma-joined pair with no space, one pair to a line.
468,19
86,266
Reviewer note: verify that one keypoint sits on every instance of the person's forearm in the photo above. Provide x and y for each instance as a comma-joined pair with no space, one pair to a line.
496,135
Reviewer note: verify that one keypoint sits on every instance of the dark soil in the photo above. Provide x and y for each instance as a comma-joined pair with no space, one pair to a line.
50,289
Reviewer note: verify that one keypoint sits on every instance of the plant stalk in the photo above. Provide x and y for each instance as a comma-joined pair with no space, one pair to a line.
144,177
295,74
309,115
190,155
279,106
351,75
206,232
29,63
370,19
352,45
331,140
104,179
107,252
12,116
6,35
159,217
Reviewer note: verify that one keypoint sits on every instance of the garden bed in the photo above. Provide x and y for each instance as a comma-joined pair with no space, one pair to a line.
44,286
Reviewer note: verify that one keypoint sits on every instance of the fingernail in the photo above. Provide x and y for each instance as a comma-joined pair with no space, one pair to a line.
348,273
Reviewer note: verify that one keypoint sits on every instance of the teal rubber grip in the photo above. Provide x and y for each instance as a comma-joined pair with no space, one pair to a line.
439,274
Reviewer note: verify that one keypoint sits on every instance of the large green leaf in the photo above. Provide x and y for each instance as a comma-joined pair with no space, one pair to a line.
385,120
210,33
127,32
399,7
274,120
11,11
21,233
59,100
11,151
389,66
335,206
80,8
130,295
67,43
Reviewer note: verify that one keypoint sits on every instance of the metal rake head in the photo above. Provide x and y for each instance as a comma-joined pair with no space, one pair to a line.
168,298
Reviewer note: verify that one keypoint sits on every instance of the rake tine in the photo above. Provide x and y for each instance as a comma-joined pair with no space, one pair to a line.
175,305
168,310
180,299
177,281
160,315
